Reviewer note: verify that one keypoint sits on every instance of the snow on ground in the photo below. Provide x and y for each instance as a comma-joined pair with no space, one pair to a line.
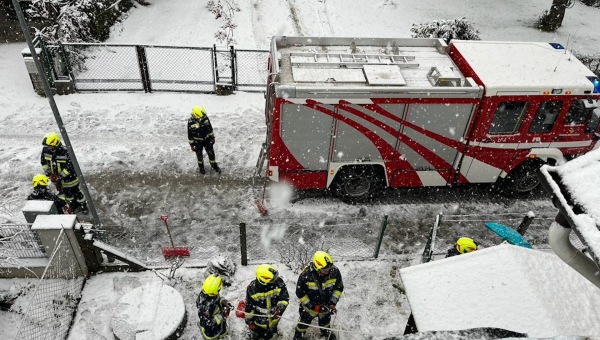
258,20
133,150
357,311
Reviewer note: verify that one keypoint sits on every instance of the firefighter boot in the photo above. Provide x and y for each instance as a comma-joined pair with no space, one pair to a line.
201,169
328,335
215,167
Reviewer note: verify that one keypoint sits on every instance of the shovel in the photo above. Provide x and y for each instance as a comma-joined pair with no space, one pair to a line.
172,251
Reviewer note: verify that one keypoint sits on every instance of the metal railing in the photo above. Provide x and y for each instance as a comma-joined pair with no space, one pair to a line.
18,241
150,68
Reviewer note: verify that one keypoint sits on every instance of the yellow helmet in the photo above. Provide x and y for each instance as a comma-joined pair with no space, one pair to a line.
266,273
321,260
198,111
39,179
51,139
211,285
465,245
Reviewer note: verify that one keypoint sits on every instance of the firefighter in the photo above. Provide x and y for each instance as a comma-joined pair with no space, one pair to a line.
319,289
463,245
266,295
212,309
40,192
58,166
201,136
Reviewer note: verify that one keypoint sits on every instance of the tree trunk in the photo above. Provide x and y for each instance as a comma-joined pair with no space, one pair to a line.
553,19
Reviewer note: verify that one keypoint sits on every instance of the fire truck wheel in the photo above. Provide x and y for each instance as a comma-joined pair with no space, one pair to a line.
521,181
358,182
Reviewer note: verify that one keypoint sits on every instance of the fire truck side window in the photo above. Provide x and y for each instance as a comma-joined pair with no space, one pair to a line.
592,124
546,116
508,117
577,113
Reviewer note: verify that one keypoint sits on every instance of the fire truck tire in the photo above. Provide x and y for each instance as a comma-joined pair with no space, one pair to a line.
522,180
359,182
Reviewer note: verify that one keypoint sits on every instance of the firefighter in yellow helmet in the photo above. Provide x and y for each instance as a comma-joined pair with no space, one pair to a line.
40,192
463,245
319,289
58,167
212,309
201,136
266,299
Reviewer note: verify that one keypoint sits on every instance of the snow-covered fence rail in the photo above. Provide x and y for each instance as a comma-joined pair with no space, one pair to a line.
18,241
150,68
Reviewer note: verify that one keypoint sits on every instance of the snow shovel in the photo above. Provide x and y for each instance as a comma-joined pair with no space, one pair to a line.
509,234
172,251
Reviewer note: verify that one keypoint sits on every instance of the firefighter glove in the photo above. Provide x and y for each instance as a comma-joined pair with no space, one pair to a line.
251,326
53,178
212,141
193,148
226,309
332,309
277,312
317,308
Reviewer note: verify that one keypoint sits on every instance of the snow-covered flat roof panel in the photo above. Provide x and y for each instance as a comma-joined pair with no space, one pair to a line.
506,287
524,66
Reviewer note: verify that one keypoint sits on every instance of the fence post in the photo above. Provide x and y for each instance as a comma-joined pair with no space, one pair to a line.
381,232
215,65
143,64
243,244
65,56
522,229
233,67
430,245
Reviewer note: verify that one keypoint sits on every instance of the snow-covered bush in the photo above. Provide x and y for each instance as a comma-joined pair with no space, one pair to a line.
222,266
79,20
226,13
296,255
590,60
457,28
593,3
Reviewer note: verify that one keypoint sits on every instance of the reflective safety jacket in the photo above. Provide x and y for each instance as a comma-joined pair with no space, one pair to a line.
199,130
211,319
313,289
264,299
45,195
59,163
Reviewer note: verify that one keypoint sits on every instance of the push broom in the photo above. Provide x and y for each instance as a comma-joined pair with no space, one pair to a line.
172,251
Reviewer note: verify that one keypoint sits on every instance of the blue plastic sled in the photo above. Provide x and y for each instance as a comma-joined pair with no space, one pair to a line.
509,234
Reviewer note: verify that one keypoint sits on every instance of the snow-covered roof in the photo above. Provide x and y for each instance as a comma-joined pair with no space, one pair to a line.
528,67
507,287
581,178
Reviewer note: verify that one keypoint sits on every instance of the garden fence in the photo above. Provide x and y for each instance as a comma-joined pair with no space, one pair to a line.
151,68
18,241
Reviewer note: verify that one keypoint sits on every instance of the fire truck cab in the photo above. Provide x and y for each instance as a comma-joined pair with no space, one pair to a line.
358,114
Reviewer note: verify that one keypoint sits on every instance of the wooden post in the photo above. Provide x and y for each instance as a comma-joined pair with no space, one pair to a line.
143,64
381,232
243,244
522,229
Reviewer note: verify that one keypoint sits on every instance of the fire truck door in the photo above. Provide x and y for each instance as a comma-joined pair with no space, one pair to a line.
364,135
306,133
542,125
431,139
576,127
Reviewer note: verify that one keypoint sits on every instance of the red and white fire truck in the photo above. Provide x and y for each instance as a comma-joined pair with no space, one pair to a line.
355,115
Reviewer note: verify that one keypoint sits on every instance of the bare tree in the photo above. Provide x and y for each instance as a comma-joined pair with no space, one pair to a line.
224,9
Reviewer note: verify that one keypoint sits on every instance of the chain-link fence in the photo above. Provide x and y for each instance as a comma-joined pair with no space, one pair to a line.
294,245
51,307
447,228
251,69
113,67
18,241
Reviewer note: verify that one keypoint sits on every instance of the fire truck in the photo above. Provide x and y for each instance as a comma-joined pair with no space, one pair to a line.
357,114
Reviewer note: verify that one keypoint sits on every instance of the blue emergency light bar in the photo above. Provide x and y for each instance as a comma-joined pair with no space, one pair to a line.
596,82
557,46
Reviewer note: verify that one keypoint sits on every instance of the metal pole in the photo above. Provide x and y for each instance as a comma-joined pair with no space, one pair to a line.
56,113
522,229
243,244
381,232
